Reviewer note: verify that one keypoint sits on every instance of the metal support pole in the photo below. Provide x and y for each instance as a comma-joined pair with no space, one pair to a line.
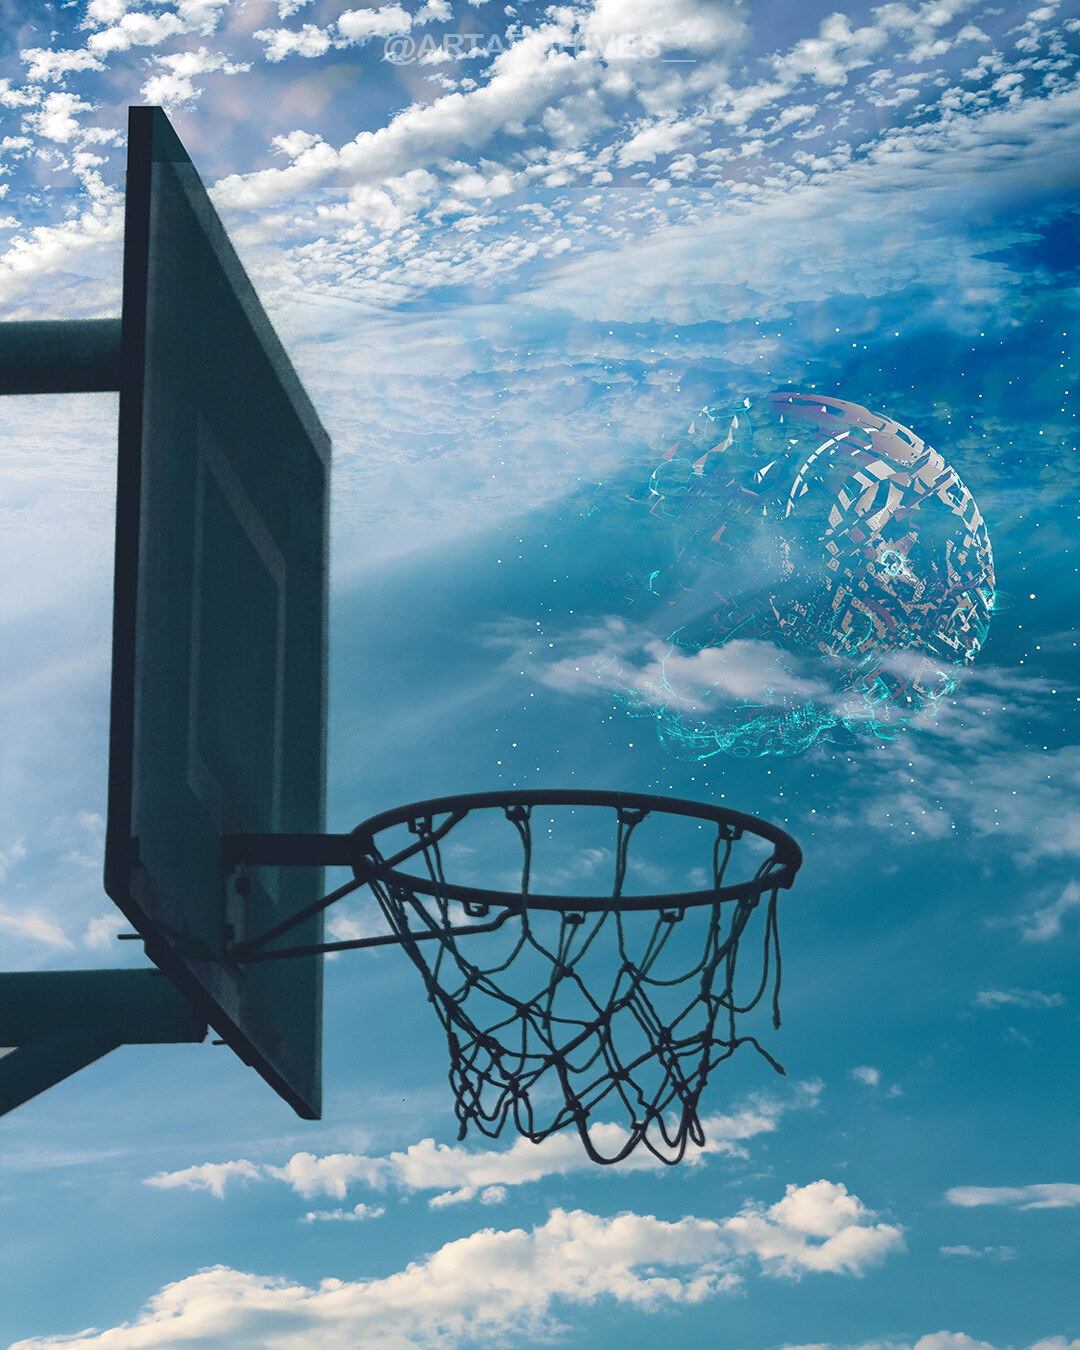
58,1021
59,356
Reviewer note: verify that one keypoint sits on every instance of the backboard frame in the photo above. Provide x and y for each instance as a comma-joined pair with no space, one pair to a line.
210,462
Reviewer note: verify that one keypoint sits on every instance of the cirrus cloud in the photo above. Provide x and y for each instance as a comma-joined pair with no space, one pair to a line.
1042,1195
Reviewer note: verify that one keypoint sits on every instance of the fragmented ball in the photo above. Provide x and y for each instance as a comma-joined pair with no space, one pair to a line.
827,572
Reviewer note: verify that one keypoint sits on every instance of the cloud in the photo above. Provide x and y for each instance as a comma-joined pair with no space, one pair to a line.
353,28
550,106
35,927
993,1253
1026,799
526,78
435,11
690,692
309,40
357,25
82,239
837,49
503,1284
659,138
760,240
54,65
699,26
461,1174
943,1340
354,1215
120,28
1048,1195
870,1077
1019,998
664,675
331,1174
1040,925
100,932
55,120
175,83
212,1177
780,1236
15,853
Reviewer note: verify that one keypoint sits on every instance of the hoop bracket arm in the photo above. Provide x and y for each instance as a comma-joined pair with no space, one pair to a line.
289,850
246,953
59,1021
59,356
308,850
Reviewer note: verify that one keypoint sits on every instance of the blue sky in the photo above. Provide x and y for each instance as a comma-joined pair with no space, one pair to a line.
508,247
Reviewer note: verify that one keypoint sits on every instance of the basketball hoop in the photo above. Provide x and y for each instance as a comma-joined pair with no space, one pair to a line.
532,1038
559,1004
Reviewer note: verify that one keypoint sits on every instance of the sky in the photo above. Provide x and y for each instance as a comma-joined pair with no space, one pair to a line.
512,250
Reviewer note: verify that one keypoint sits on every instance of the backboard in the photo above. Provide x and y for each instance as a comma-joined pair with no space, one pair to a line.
219,640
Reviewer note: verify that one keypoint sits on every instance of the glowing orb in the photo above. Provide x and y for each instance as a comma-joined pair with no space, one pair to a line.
827,573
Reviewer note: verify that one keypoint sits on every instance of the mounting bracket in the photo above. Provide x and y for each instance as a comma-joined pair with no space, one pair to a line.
55,1022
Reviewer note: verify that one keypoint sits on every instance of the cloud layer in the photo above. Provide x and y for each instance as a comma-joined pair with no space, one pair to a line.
506,1284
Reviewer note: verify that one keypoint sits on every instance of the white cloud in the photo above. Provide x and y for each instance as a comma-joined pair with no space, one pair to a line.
212,1177
796,112
942,1340
353,28
665,675
978,1253
81,240
17,98
780,1236
950,1340
658,138
753,260
101,932
1018,998
354,1215
125,28
837,49
15,853
435,11
331,1174
310,40
36,928
460,1174
1026,800
544,84
175,83
1040,925
526,78
1048,1195
358,25
55,120
866,1074
700,26
46,64
503,1284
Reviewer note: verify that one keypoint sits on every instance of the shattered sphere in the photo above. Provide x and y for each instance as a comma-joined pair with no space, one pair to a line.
819,571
